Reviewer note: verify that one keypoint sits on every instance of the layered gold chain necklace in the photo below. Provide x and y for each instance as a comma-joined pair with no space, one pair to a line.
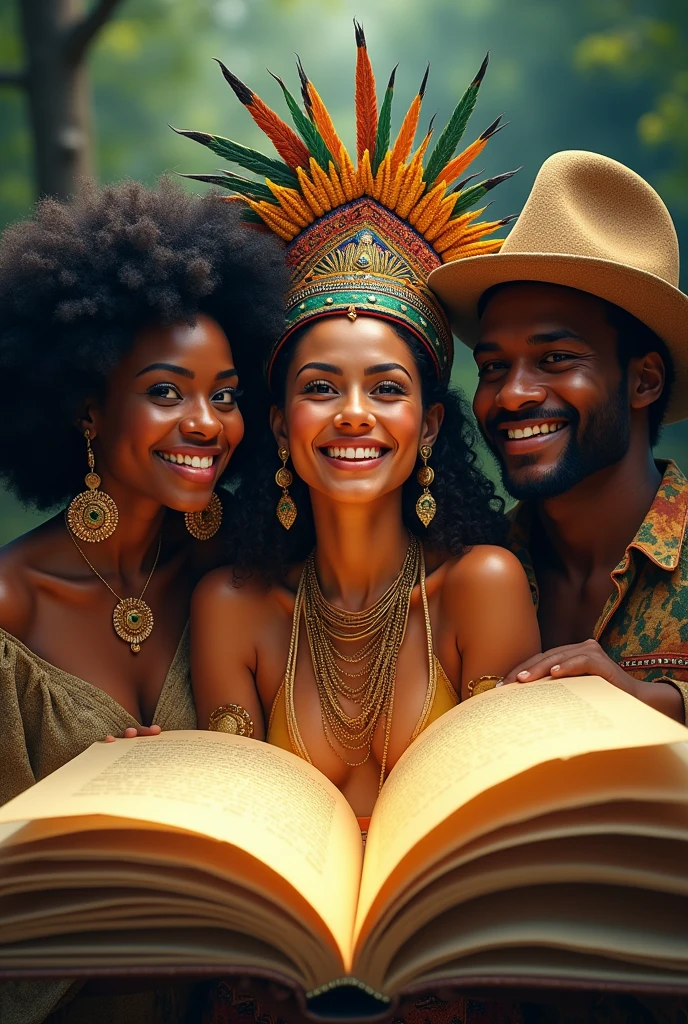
367,677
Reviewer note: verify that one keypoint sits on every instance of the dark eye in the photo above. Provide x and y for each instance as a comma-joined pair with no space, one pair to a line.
319,387
492,367
166,391
389,387
226,396
557,357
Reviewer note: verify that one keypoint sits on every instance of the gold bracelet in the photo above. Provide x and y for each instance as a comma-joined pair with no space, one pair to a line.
482,683
231,718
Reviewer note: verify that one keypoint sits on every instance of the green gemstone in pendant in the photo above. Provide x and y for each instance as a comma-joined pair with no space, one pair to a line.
133,618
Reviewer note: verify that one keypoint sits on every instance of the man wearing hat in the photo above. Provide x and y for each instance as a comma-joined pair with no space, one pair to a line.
580,335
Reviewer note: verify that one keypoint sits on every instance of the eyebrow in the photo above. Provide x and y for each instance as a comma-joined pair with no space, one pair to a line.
170,367
385,368
544,338
183,372
324,367
548,336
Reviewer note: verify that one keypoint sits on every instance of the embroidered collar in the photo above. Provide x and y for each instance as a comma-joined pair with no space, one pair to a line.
660,537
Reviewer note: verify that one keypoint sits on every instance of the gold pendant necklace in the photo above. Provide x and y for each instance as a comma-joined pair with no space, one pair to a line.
132,617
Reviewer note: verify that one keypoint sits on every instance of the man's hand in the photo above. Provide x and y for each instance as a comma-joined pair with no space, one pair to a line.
588,659
131,732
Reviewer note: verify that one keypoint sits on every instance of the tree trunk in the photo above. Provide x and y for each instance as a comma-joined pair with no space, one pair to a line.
58,93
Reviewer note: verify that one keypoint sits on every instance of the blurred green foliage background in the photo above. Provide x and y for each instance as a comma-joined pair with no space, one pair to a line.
605,75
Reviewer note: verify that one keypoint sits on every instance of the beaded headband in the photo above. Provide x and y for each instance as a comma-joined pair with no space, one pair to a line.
363,239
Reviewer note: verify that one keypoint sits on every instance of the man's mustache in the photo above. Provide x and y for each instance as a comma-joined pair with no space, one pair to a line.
531,416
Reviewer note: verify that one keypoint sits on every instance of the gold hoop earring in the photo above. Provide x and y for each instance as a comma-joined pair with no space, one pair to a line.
286,509
204,524
92,515
426,506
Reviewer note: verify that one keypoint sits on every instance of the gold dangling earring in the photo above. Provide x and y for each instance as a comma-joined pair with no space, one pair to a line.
204,524
93,515
426,506
286,509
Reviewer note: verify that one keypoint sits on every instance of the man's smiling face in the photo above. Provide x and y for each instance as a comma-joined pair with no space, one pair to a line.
552,401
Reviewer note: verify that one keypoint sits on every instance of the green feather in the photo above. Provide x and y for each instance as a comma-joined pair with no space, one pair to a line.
306,129
251,216
384,125
234,182
249,159
445,146
472,195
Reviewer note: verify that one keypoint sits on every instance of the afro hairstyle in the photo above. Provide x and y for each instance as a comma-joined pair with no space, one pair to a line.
79,280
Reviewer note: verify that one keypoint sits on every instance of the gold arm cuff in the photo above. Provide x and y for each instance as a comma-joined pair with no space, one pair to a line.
482,683
231,718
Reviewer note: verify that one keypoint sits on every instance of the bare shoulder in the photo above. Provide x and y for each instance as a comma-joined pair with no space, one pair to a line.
484,570
17,593
228,588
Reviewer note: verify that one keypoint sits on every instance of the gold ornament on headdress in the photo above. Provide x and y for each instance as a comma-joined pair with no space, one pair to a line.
364,238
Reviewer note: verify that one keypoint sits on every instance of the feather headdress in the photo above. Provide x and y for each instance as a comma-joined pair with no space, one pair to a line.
364,237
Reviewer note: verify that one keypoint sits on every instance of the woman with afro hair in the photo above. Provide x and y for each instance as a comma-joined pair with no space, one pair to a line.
130,321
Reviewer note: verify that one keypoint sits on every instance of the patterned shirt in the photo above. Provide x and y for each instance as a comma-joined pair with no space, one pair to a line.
644,623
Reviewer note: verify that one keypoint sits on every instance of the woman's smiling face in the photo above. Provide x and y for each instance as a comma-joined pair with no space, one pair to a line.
169,420
353,416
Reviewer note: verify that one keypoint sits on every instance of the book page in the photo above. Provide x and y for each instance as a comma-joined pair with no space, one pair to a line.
490,739
264,800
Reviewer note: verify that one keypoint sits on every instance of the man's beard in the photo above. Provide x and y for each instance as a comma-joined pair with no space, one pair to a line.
603,442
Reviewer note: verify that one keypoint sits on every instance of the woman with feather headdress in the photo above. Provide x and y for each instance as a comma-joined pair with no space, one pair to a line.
369,574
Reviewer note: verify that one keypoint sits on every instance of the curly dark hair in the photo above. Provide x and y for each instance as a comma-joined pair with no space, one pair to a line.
469,511
79,280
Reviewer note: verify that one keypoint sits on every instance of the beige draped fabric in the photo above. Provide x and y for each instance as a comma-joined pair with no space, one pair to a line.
47,717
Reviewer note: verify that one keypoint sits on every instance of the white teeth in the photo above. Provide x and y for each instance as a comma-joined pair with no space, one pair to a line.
353,453
543,428
196,461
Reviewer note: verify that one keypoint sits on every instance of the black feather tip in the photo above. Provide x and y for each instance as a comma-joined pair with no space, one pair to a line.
421,91
241,91
483,68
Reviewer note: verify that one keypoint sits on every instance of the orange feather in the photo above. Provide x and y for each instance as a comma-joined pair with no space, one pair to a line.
284,139
407,133
366,100
459,164
286,142
323,122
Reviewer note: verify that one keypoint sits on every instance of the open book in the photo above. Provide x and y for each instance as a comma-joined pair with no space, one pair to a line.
535,832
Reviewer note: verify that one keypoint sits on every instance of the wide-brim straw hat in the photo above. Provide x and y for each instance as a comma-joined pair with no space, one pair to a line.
592,224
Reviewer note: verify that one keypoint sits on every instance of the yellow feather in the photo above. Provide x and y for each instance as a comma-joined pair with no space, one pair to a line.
278,224
366,174
421,216
462,252
396,185
322,181
455,229
440,220
336,185
309,193
292,204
